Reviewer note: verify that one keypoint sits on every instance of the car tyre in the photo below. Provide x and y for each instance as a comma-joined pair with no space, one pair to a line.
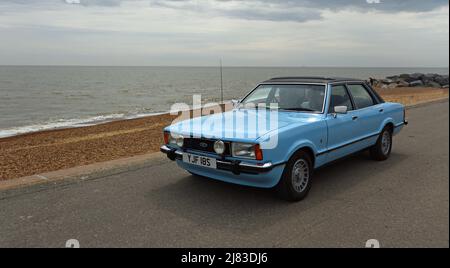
382,149
296,179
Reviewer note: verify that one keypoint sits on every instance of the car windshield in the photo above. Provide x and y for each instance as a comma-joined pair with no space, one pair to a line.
304,98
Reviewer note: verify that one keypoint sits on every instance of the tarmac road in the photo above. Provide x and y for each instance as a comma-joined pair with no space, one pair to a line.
402,202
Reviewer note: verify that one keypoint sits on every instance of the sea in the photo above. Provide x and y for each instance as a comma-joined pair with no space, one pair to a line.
35,98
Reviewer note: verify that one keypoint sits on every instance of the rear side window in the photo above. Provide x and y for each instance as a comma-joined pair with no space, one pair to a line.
361,97
340,97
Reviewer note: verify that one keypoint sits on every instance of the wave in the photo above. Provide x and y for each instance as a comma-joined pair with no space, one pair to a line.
72,123
82,122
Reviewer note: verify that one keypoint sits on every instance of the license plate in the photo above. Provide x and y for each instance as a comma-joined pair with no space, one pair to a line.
199,160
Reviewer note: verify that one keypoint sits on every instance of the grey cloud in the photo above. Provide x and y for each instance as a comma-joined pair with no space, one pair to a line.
250,10
52,41
382,5
268,10
299,10
101,2
94,2
276,15
47,3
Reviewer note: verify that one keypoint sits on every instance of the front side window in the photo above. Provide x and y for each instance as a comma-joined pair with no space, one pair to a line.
340,97
361,97
308,98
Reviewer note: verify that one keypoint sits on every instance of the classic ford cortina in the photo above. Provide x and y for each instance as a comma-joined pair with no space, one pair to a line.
284,129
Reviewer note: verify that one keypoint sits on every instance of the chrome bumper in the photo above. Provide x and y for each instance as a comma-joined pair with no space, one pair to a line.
172,154
234,166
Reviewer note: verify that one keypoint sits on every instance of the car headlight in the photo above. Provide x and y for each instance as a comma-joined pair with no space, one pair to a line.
246,150
180,141
219,147
176,139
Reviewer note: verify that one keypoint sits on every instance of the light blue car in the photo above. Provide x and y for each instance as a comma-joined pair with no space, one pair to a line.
284,129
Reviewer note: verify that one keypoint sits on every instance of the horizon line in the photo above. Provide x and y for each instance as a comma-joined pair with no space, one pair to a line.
216,66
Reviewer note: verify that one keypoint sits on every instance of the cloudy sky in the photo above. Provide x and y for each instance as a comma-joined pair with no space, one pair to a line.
384,33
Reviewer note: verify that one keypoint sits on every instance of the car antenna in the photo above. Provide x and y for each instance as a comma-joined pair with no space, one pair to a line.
221,82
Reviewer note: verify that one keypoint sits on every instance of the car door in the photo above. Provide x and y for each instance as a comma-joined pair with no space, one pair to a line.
341,127
367,110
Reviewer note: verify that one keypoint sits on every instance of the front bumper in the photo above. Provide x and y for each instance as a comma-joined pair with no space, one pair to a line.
234,166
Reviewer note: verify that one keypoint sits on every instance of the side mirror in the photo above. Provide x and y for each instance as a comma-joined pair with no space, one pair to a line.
340,109
235,103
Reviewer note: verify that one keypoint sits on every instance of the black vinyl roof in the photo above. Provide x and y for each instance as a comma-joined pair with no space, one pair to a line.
311,79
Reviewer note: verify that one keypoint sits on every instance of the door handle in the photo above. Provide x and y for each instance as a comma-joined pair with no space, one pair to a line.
381,110
354,117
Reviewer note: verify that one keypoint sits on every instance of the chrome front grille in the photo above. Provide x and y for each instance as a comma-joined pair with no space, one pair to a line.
204,145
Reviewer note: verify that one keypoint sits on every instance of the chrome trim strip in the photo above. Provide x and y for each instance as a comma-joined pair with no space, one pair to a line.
166,150
293,83
402,123
347,81
347,144
267,165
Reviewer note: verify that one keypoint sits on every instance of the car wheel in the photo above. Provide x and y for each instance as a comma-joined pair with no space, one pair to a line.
382,149
297,177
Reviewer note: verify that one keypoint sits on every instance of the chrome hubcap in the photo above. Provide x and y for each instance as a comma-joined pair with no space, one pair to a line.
300,175
385,142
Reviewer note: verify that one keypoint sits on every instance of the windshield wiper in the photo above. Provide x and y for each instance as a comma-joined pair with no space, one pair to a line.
298,109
